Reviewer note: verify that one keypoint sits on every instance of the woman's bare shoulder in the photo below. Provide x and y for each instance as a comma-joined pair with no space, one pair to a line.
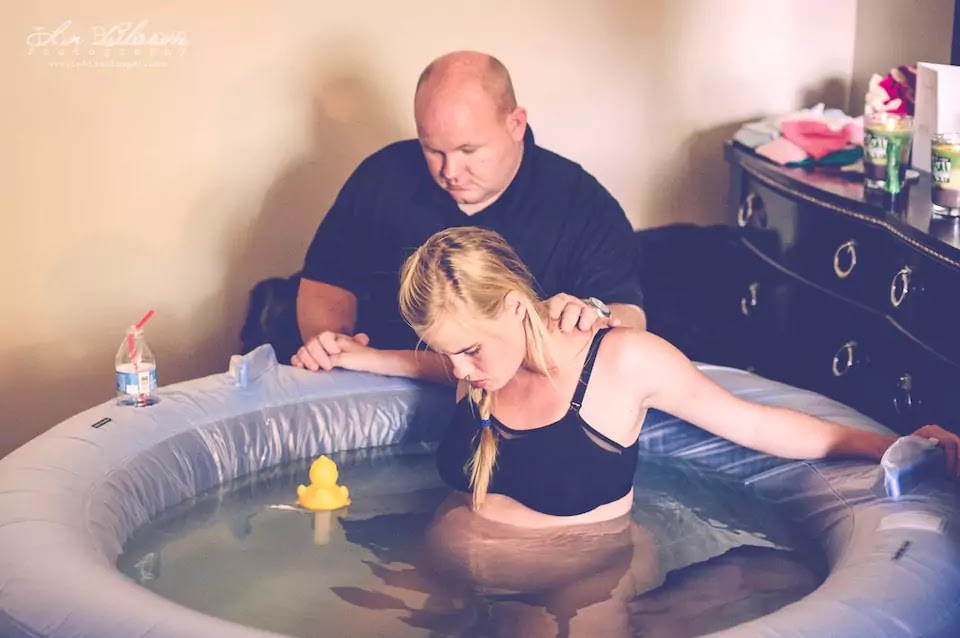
632,350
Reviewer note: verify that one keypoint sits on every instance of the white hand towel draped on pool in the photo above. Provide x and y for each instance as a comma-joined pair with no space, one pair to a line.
909,461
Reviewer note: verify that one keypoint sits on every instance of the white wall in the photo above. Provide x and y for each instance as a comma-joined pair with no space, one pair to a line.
891,33
178,187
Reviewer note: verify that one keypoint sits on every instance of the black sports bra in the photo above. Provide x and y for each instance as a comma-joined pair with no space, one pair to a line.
563,469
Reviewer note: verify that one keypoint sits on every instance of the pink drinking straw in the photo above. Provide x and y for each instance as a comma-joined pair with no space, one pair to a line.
138,326
130,347
144,319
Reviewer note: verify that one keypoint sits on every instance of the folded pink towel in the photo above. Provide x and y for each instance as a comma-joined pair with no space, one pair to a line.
816,138
856,131
782,151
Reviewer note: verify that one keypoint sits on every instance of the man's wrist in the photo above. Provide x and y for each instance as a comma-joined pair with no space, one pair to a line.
602,309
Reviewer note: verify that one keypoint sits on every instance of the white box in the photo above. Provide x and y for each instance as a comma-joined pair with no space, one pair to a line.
936,109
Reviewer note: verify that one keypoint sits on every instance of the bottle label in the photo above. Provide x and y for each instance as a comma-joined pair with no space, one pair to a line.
875,147
143,381
941,169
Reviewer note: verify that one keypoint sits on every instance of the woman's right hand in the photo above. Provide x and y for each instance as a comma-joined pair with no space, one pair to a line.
326,351
950,443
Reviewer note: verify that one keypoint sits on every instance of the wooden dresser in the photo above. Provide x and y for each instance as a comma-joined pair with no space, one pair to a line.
814,285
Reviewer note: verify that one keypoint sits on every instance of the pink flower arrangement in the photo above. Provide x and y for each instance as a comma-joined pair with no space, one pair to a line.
894,93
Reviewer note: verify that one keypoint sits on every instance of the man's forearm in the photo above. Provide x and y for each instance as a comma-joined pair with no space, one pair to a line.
322,307
413,364
629,315
312,325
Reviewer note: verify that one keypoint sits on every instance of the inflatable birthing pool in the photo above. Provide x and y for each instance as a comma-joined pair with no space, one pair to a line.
113,499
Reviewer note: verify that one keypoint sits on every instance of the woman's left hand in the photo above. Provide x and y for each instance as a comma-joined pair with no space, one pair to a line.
950,443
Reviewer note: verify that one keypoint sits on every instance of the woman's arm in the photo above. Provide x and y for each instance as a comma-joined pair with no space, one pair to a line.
671,383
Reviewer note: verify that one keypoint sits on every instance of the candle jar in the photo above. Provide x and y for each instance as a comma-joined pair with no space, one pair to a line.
945,174
878,130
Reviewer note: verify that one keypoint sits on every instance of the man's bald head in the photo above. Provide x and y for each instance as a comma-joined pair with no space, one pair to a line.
470,127
466,71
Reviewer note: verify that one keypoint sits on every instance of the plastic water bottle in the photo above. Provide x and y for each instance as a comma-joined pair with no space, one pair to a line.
136,369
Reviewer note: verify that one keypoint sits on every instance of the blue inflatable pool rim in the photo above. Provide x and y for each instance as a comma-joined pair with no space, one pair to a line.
71,498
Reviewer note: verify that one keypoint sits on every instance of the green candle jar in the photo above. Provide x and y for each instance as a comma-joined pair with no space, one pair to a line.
878,130
945,173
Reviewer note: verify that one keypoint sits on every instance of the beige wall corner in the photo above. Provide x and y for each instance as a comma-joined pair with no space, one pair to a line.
177,176
890,33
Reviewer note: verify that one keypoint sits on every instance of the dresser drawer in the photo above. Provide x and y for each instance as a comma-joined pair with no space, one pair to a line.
760,307
922,295
746,310
837,349
925,388
791,331
839,253
797,333
844,297
865,361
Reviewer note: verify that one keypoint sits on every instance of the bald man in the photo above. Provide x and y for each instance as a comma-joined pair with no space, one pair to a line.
475,163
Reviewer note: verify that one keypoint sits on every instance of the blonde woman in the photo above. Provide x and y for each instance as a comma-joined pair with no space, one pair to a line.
545,431
543,449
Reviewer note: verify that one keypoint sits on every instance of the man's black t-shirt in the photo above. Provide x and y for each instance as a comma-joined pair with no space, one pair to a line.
571,233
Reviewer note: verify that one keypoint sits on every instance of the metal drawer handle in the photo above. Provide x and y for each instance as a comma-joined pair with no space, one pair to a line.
904,386
843,361
748,303
899,293
849,247
745,212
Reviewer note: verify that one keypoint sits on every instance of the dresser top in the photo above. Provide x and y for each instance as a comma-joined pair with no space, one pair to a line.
911,215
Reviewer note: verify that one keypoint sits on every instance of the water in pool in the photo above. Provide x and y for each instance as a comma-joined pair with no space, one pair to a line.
698,553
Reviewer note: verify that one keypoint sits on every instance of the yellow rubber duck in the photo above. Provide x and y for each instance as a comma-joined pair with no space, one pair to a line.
323,493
